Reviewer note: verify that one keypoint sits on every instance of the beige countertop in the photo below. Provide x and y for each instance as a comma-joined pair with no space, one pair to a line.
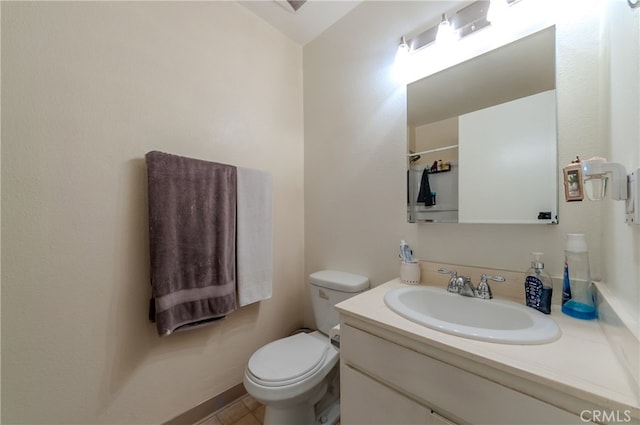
581,363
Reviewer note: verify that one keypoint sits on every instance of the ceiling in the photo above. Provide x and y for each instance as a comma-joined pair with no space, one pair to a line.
305,24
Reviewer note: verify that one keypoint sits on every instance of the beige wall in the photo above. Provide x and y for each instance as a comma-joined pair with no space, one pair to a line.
87,89
355,136
621,242
355,141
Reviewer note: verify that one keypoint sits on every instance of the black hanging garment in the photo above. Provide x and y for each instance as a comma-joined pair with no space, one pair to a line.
425,189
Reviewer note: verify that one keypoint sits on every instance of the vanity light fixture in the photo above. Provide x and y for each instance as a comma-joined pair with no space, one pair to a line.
455,26
462,23
624,187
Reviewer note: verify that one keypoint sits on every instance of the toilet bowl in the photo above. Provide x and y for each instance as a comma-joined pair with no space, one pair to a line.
297,377
289,376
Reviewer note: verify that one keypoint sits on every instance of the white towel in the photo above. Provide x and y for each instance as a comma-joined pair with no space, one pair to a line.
254,244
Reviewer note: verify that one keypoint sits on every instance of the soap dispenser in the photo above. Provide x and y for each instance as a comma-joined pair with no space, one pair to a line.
538,286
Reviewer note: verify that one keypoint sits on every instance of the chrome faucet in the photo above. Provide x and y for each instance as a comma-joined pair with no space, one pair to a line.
455,283
462,285
467,289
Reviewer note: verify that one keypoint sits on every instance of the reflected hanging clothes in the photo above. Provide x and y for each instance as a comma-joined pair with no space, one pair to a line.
424,195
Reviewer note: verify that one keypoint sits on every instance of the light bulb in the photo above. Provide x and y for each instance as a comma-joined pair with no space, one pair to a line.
445,34
403,47
497,10
401,65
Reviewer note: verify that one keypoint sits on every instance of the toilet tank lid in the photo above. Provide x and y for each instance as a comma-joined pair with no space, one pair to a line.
339,281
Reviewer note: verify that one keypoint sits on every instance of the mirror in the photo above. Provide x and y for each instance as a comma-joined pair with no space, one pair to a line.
482,143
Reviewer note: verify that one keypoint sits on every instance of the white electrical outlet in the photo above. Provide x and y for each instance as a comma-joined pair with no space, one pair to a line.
633,198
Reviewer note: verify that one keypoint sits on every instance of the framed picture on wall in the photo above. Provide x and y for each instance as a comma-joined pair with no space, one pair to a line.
573,182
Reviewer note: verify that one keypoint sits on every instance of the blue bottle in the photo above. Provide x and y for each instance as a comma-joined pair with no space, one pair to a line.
566,286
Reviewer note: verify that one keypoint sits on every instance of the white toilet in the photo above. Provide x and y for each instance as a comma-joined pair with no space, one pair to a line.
296,378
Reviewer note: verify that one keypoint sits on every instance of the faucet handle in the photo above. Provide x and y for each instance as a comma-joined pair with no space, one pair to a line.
483,290
453,284
495,278
447,271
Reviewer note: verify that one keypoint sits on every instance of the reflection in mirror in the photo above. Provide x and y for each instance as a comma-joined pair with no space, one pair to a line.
444,165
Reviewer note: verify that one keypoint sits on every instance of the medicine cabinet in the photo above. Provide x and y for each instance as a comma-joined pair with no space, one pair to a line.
482,138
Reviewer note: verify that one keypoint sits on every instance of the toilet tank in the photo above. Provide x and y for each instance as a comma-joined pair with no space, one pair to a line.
328,288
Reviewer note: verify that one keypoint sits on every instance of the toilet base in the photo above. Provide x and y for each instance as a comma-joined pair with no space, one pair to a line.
288,416
304,415
328,408
323,407
330,415
295,414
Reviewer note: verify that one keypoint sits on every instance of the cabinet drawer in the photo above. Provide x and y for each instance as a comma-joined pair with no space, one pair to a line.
370,402
454,392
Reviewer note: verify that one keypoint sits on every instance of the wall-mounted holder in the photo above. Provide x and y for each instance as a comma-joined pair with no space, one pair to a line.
573,182
624,187
633,201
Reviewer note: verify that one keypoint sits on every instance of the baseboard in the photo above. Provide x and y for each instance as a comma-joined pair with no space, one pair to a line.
207,407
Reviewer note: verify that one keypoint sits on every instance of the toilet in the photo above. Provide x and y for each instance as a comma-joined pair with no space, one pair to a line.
297,377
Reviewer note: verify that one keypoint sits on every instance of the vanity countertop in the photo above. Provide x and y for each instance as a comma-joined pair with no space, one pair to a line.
580,363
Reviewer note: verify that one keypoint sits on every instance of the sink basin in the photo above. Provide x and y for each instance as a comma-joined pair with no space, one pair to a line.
486,320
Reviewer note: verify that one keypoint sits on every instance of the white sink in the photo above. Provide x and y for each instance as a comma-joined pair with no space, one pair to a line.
486,320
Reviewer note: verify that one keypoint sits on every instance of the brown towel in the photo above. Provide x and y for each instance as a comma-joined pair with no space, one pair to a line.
192,230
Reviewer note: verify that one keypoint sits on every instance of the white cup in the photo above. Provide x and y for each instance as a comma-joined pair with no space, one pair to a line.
410,272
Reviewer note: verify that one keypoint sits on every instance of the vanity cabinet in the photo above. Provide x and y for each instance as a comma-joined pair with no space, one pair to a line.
384,382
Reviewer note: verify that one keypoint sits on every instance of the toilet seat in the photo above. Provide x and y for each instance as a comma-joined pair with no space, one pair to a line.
288,361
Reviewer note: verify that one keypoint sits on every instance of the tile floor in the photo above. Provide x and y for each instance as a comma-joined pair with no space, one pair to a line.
244,411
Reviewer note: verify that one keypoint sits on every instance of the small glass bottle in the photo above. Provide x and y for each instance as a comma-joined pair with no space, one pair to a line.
538,286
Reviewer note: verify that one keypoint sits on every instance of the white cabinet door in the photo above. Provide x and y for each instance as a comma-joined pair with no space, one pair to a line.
508,162
367,402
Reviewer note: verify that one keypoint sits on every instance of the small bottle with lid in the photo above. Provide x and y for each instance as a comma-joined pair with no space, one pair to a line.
538,286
